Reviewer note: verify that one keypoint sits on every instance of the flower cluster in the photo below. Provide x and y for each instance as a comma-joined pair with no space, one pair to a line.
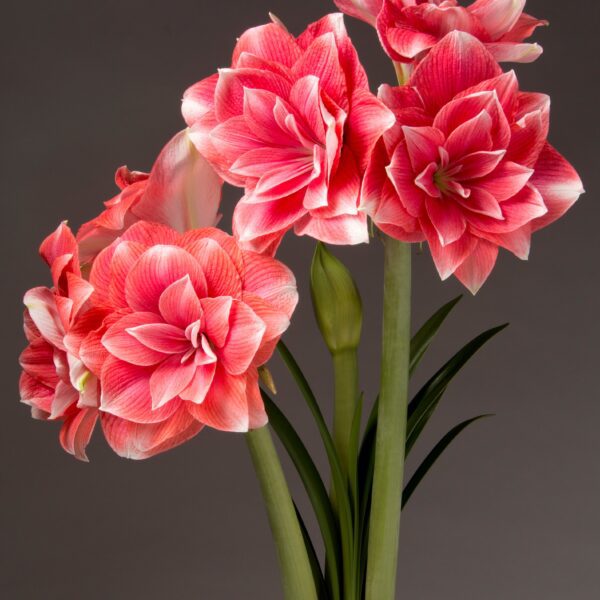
156,322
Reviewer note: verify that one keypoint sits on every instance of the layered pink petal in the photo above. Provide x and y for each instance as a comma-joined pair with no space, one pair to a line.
179,304
121,341
245,334
159,267
226,405
76,432
458,62
557,182
475,269
143,440
126,393
366,10
170,378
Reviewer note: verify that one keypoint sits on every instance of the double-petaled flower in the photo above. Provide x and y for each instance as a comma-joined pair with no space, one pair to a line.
192,316
409,28
467,166
55,382
294,123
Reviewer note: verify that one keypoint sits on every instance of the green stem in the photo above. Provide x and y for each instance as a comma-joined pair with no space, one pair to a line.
391,424
345,367
298,582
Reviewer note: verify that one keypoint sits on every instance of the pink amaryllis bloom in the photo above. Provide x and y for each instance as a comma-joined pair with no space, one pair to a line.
182,191
467,167
409,28
294,123
192,316
63,361
55,382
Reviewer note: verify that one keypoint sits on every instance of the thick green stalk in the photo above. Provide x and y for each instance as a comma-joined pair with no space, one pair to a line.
345,368
298,582
384,526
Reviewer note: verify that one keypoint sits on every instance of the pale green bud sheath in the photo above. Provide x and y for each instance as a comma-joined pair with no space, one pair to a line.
338,310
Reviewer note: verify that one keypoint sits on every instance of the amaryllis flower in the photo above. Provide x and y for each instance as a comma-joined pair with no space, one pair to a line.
192,317
409,28
63,361
55,382
467,167
294,123
181,191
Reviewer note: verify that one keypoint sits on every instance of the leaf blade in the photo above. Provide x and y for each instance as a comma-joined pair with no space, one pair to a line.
435,453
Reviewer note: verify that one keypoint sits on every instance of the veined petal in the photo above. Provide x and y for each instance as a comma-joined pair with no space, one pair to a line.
226,404
143,440
246,332
557,182
159,267
126,393
475,269
457,62
169,379
216,318
198,99
76,432
447,219
270,42
161,337
179,304
41,304
121,342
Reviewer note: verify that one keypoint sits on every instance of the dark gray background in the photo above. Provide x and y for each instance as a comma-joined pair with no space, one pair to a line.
511,511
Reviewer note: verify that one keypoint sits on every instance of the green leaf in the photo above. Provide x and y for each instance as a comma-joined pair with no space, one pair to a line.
430,459
425,402
315,489
315,566
421,340
353,454
338,480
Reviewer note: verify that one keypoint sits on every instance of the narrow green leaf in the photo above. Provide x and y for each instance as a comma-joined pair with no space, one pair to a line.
353,453
427,398
315,566
421,340
314,486
430,459
339,482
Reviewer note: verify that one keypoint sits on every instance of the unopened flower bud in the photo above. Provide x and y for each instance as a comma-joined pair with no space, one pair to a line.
336,301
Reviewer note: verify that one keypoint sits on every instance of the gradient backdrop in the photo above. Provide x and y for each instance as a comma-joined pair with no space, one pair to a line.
511,510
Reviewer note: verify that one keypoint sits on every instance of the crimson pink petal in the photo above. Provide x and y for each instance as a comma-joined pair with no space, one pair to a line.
270,42
475,269
454,64
226,404
216,318
126,393
41,304
122,344
557,182
198,99
246,332
179,304
76,432
170,378
142,440
159,267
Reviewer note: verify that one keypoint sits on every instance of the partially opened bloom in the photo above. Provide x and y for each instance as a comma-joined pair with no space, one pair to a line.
467,166
182,191
192,316
55,382
294,123
409,28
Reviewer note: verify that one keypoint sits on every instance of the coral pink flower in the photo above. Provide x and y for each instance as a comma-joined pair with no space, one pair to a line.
181,191
192,317
467,166
292,121
64,358
55,382
409,28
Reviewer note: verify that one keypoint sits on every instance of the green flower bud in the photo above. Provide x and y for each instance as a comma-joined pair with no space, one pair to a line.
336,301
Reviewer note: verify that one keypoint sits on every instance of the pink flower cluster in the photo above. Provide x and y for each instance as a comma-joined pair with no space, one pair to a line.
156,322
166,333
